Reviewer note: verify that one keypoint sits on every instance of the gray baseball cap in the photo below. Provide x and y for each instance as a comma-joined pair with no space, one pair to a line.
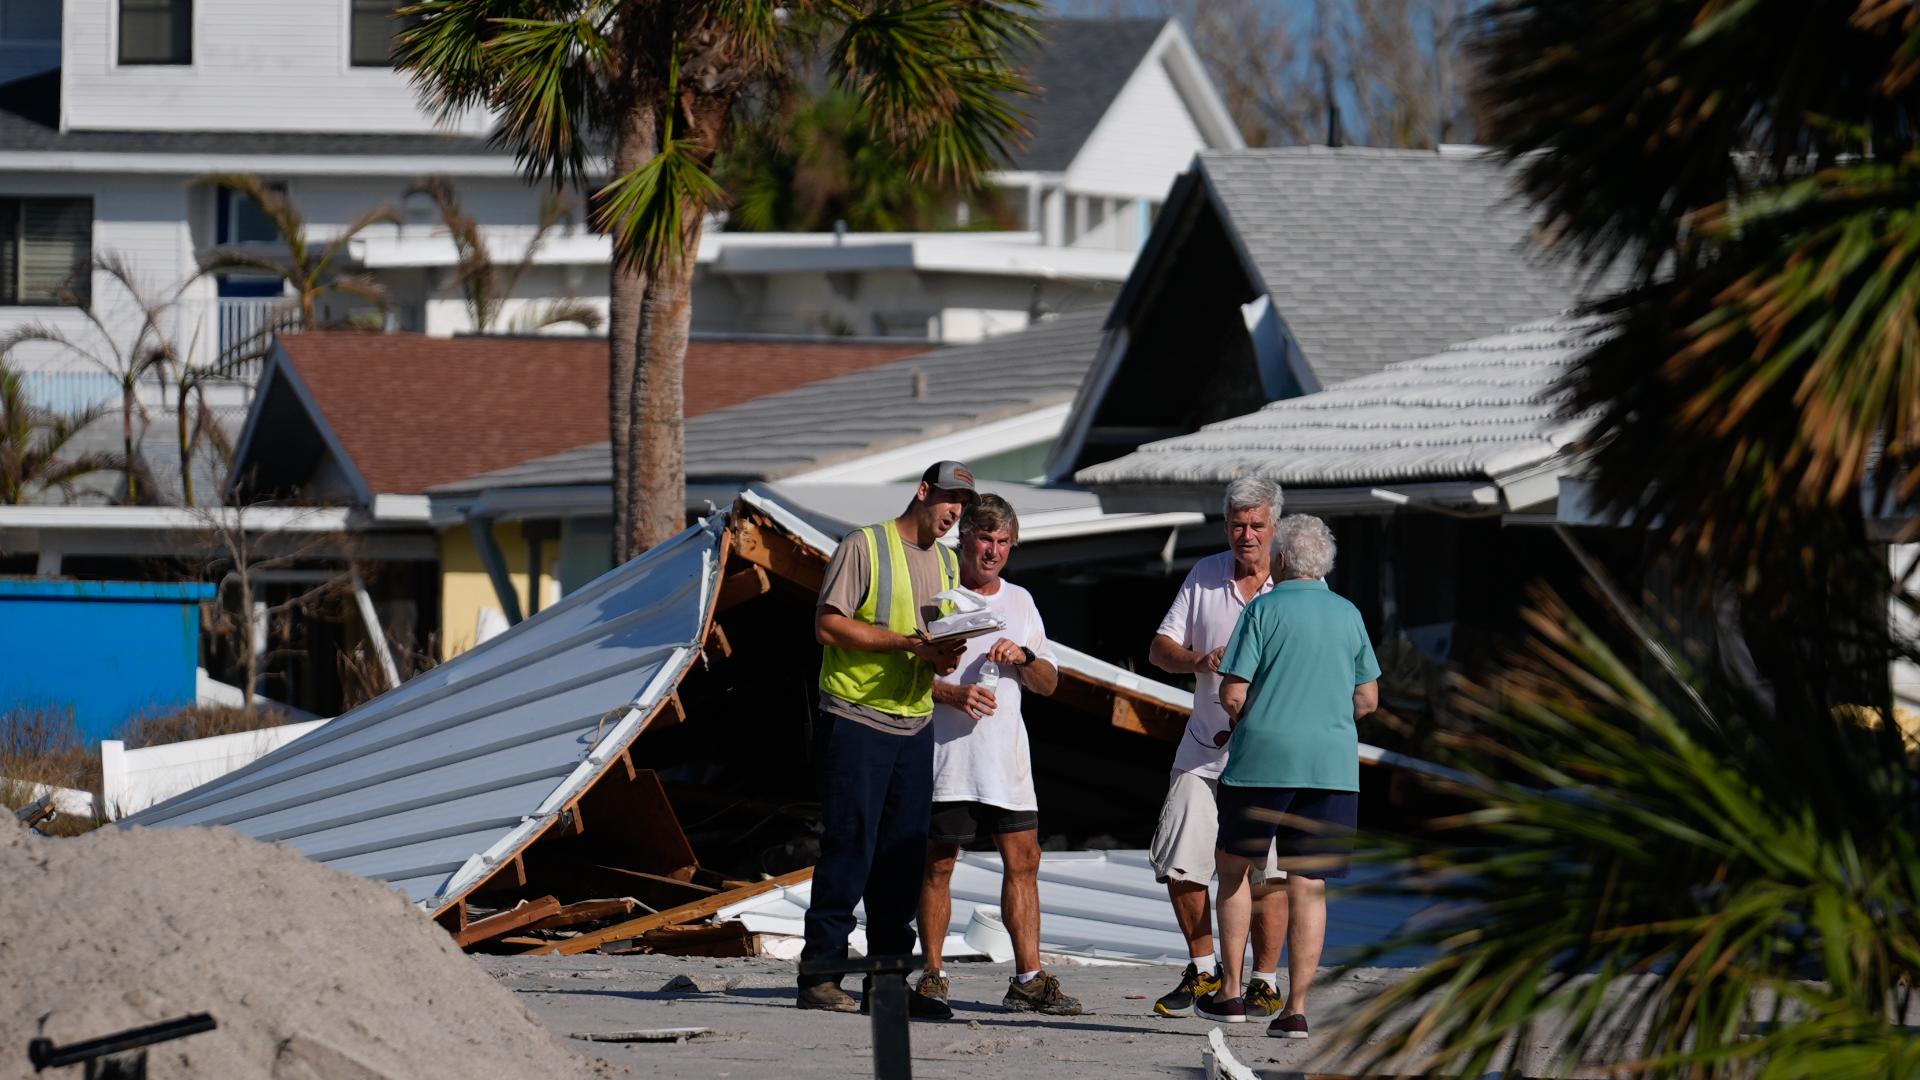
950,476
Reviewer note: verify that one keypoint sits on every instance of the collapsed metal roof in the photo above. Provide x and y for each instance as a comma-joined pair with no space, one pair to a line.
439,785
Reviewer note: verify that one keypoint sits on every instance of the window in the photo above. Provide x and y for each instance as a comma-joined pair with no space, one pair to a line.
42,243
241,220
156,31
373,31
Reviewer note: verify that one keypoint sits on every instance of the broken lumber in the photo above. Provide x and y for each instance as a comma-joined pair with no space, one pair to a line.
585,911
685,913
506,922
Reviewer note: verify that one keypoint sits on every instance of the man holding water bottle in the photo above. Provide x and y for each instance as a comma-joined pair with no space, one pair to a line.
982,770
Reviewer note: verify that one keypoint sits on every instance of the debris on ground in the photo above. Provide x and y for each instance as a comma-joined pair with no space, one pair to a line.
309,971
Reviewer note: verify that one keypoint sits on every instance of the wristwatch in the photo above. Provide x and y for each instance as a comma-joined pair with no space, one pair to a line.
1027,655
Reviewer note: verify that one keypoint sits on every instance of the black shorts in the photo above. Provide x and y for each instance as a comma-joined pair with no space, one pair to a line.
1247,826
961,822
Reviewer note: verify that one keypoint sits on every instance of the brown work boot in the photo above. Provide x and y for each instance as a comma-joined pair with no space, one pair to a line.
827,996
1041,994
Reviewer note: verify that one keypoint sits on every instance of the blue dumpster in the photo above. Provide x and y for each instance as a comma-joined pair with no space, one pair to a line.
108,650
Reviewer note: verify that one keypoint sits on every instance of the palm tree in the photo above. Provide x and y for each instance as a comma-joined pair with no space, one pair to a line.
1661,877
1750,173
33,445
818,164
147,351
483,282
654,85
310,273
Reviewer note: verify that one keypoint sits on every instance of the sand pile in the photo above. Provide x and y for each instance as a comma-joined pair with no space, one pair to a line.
310,972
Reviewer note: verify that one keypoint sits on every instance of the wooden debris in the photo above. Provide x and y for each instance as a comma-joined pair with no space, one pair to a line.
731,938
738,588
586,911
685,913
518,917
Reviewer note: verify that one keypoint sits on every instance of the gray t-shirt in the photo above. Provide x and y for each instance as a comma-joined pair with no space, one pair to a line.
843,590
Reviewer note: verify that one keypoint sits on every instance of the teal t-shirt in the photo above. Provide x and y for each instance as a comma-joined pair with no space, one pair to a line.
1302,648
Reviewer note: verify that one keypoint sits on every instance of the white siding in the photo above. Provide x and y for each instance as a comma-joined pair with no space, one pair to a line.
258,65
1147,138
881,303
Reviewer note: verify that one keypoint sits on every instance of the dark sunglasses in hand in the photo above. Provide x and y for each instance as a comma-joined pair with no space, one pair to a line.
1221,737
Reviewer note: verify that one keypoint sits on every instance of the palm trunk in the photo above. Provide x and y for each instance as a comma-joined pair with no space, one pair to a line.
626,296
186,448
659,399
127,402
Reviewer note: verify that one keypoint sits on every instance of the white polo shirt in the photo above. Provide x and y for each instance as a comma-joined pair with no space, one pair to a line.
1202,618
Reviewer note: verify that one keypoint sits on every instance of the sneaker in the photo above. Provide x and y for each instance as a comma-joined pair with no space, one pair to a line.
1221,1010
826,996
932,984
1039,994
919,1006
1192,984
1290,1026
1261,1001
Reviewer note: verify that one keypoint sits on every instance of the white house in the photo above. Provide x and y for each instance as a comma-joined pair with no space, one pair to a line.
109,109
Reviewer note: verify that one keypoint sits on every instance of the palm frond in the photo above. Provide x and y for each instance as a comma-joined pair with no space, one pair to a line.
1669,897
650,211
560,312
443,49
544,85
384,214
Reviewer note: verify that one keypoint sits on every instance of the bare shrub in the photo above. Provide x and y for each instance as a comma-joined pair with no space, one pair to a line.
197,722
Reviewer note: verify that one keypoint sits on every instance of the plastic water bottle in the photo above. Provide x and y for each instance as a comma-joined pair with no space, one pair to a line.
989,675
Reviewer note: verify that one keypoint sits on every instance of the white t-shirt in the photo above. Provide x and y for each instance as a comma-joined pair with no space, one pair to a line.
987,760
1202,618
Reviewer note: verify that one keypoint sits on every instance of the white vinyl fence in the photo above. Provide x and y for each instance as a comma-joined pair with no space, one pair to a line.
132,780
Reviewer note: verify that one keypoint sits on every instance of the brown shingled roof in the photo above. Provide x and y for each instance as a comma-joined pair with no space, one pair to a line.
414,411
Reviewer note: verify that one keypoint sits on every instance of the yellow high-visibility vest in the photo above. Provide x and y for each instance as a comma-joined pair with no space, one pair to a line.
899,683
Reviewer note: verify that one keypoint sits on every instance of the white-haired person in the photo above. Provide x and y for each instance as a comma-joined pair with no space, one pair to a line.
1297,675
1191,640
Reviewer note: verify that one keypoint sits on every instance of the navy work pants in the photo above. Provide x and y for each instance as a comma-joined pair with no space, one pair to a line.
876,799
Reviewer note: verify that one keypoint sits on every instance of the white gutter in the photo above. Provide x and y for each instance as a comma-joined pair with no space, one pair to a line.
94,161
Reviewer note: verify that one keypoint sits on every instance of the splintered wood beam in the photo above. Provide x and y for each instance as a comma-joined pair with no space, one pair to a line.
523,914
576,821
454,918
745,585
586,911
672,711
762,544
717,641
685,913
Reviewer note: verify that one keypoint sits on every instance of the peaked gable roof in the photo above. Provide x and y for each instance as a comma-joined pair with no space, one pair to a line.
403,412
1372,256
1077,69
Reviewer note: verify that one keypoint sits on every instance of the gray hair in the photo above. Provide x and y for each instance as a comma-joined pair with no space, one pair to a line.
1307,544
1251,492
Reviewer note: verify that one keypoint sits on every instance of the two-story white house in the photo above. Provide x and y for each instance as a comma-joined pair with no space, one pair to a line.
110,109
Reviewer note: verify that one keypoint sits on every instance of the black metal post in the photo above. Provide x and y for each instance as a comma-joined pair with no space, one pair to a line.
105,1049
886,1001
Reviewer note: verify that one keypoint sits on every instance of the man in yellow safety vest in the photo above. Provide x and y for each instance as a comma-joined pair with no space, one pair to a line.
876,698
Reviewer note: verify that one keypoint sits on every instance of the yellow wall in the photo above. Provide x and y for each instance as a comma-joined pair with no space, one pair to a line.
465,587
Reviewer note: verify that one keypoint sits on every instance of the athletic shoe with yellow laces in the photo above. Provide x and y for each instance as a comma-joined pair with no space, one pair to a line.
1193,983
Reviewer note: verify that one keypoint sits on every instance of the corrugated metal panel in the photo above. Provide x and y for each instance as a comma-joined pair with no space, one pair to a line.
1478,410
1102,905
432,785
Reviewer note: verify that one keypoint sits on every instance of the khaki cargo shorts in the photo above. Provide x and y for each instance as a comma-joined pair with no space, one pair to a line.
1189,830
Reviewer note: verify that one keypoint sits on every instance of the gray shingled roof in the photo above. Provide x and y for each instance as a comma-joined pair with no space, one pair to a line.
1478,410
1373,256
1078,70
937,393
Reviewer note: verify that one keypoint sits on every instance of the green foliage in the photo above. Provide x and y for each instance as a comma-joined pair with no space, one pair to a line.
33,445
1667,892
819,164
1752,168
660,81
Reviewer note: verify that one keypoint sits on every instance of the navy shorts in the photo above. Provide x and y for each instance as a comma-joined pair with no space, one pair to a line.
1247,826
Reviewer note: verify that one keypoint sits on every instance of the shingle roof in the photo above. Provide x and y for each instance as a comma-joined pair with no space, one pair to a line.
1373,256
1078,70
935,393
414,411
1478,410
